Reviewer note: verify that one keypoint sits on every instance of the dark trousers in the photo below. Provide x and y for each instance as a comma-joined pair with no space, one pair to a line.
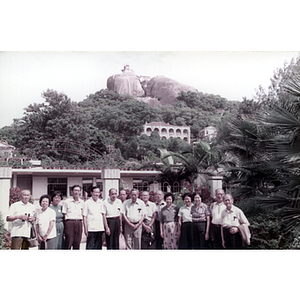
217,238
112,240
232,241
199,229
159,241
94,240
186,236
73,234
19,243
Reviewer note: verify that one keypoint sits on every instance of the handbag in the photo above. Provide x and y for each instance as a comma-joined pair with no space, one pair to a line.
33,242
148,237
32,232
122,242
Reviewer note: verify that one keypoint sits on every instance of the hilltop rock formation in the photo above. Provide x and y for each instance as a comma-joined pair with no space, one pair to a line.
125,83
166,89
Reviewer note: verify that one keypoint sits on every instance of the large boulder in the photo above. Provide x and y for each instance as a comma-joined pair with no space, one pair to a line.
125,83
166,89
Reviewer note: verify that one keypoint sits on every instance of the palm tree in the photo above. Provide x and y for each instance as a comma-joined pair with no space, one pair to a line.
267,152
189,165
285,146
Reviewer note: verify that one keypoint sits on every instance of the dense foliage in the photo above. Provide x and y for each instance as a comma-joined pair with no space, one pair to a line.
108,120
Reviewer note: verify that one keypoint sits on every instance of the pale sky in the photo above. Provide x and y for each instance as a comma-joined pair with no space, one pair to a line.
232,75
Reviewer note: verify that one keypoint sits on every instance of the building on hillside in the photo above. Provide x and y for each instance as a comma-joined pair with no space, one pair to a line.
167,131
6,150
208,133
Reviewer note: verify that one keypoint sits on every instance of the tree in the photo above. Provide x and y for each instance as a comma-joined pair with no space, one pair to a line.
268,150
58,118
187,165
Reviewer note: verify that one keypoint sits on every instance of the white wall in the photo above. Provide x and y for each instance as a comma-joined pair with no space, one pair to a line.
39,186
214,182
5,182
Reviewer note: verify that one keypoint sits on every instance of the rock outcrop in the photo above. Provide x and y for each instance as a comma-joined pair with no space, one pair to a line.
166,89
125,83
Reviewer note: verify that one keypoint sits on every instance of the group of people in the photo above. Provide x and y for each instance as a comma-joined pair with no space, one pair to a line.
144,224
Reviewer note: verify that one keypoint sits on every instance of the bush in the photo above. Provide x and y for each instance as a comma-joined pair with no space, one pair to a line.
4,235
267,227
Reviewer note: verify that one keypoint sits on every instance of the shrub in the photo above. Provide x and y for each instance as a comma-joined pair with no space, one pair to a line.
267,227
4,235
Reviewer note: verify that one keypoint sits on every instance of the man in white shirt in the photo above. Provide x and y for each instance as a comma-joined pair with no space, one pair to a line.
134,213
113,210
232,219
21,213
216,211
148,227
72,211
93,211
123,195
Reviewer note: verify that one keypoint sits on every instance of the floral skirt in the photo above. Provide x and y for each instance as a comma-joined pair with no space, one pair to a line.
170,235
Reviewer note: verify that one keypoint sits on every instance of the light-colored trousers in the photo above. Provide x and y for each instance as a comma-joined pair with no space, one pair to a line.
133,237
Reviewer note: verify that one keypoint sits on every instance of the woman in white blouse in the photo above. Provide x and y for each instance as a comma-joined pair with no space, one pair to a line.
45,224
185,229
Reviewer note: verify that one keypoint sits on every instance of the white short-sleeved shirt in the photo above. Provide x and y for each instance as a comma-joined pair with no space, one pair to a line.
233,217
113,209
150,210
21,228
43,219
216,211
134,211
93,211
72,209
185,214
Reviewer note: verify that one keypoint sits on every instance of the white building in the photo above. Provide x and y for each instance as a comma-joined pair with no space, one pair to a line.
167,131
208,133
6,150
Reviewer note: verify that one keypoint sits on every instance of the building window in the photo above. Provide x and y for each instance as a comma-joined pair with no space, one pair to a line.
165,187
176,187
140,185
57,184
145,186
